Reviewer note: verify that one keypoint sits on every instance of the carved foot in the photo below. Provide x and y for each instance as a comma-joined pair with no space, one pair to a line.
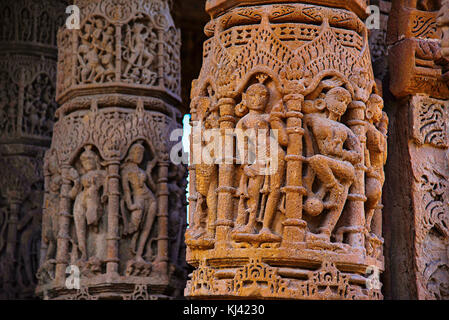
195,233
266,235
323,235
247,229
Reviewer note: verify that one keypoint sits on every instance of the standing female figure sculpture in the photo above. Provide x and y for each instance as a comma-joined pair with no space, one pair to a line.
138,187
87,207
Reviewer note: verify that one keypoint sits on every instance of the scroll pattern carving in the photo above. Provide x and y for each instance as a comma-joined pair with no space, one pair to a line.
423,67
431,197
305,71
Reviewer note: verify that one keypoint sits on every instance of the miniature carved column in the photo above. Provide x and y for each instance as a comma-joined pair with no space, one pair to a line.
418,220
295,219
108,221
27,105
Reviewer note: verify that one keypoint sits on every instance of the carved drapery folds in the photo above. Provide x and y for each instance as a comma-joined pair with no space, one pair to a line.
313,228
27,106
114,202
417,37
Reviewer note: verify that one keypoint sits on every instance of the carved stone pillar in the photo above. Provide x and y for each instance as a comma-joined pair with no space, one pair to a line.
27,105
303,222
418,171
108,216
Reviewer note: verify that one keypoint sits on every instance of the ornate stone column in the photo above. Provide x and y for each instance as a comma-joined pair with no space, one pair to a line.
27,105
310,228
418,219
108,214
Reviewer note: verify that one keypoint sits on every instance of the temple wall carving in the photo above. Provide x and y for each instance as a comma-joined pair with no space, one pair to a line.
311,227
27,106
114,203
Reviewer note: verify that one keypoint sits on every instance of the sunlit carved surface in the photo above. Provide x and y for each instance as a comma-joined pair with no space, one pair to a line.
301,232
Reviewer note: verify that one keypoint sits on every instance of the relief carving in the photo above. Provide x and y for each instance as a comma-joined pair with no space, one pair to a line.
304,72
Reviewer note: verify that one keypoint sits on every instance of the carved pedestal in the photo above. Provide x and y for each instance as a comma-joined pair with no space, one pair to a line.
114,203
417,190
305,222
27,105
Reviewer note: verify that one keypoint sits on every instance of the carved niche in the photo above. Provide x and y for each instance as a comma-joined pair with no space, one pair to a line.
114,203
311,226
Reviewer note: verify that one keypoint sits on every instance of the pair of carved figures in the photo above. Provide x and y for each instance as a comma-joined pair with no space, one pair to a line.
89,192
333,153
97,52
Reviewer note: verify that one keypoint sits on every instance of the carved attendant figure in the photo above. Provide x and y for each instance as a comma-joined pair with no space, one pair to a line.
255,180
376,142
206,177
138,49
339,151
87,208
139,198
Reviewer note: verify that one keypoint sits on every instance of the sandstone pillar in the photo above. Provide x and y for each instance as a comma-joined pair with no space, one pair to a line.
416,194
114,203
27,105
310,228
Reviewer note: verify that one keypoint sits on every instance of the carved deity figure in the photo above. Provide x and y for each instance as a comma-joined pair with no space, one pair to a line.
206,176
376,142
339,150
95,53
138,188
88,208
140,57
255,180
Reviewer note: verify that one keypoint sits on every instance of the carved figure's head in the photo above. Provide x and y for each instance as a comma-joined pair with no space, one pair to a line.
110,30
256,97
337,101
374,108
89,159
136,153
